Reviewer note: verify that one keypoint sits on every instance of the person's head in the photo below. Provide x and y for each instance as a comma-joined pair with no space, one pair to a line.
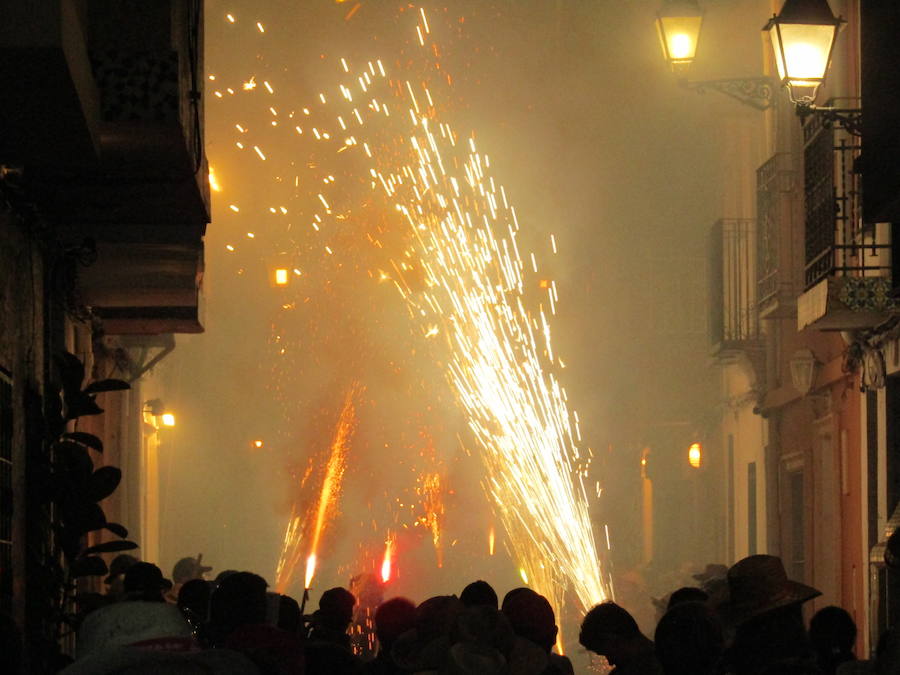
187,569
687,594
289,617
238,600
832,632
336,609
436,616
478,593
144,581
610,630
758,585
224,574
393,618
484,626
531,617
689,639
117,568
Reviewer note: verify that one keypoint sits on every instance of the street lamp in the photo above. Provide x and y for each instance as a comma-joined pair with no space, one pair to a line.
803,36
804,367
678,24
695,455
159,412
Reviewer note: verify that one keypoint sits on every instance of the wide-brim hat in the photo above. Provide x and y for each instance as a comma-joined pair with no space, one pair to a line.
189,568
144,576
759,584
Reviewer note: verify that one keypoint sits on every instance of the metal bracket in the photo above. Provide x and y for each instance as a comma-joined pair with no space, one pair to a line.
848,119
756,92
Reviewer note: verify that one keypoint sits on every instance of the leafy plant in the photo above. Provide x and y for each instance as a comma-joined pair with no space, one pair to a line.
76,487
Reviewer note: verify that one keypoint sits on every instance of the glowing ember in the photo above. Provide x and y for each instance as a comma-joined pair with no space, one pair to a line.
331,486
310,570
432,502
386,563
297,529
491,541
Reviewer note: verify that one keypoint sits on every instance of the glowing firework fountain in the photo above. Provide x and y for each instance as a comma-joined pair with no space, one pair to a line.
326,504
501,358
453,243
386,562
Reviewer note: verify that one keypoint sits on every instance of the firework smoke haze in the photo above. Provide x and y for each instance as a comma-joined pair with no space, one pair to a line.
455,213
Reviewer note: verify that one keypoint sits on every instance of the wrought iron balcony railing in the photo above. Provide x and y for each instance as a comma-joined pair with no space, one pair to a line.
836,242
734,320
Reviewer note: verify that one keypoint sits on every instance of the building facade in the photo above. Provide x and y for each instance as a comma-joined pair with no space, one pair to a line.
104,202
803,326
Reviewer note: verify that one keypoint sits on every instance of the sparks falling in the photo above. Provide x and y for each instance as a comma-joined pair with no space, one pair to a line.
501,360
326,505
433,503
483,314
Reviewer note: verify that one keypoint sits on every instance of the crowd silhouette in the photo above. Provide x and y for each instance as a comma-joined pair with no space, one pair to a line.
747,620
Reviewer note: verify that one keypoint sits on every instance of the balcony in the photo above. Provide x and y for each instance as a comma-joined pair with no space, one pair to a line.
848,265
102,111
734,320
776,291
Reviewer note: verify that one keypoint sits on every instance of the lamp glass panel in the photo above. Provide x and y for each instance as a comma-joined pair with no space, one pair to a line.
679,36
803,53
694,455
802,374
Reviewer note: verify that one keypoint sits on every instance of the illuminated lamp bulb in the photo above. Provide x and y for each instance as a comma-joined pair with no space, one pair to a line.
695,455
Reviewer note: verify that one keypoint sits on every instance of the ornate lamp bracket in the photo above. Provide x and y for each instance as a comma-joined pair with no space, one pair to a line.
756,92
848,119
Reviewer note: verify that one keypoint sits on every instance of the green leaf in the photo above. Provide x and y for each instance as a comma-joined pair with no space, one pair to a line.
85,439
103,482
88,566
111,547
106,385
72,462
84,517
117,529
71,371
79,404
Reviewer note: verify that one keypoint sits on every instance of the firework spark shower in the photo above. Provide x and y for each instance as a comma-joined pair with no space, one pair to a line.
378,215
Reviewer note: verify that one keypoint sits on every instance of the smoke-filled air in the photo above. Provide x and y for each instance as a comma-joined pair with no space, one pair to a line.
416,271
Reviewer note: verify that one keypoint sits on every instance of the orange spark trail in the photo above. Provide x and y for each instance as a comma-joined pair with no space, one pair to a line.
386,563
327,502
433,503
